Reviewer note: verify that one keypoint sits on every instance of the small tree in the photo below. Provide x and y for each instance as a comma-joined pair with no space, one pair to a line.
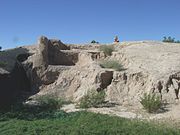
178,41
94,42
170,40
0,48
164,39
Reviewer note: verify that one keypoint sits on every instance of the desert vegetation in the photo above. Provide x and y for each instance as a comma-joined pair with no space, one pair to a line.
92,99
170,40
51,102
3,64
151,102
111,64
24,120
94,42
45,115
107,49
47,118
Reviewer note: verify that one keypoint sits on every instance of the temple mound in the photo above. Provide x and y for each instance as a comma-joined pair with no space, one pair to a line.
70,71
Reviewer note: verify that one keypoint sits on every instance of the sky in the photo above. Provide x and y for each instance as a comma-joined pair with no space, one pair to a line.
22,22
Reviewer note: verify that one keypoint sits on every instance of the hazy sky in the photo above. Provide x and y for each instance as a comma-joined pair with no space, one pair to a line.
80,21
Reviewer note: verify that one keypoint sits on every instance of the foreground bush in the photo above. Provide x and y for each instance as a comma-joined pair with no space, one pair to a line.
50,102
92,99
3,64
29,112
111,64
151,102
107,49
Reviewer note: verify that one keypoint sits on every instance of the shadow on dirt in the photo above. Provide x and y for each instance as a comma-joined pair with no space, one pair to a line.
13,84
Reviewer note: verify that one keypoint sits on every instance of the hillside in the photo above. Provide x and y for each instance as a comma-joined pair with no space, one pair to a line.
70,71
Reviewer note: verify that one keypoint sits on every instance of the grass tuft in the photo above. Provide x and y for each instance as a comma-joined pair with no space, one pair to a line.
3,64
111,64
151,102
92,99
50,102
107,49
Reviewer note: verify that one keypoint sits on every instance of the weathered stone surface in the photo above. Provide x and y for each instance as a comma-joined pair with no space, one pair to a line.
41,59
63,57
104,78
48,53
12,84
74,82
73,70
58,45
150,67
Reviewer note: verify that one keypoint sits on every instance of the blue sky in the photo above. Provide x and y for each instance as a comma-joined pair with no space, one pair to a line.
80,21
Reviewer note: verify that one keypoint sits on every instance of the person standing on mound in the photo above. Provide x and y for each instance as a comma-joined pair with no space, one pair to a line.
116,40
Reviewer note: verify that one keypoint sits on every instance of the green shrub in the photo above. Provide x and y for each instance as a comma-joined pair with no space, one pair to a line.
92,99
107,49
170,40
151,102
50,102
3,64
178,41
28,112
94,42
111,64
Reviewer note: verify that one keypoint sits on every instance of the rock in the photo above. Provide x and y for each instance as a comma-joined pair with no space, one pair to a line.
41,59
74,82
175,84
13,79
71,71
71,108
127,87
3,71
104,78
149,68
48,54
55,43
63,57
60,54
13,84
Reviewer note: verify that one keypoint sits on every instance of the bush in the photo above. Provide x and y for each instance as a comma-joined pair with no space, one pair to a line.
107,49
92,99
29,112
170,40
50,102
3,64
151,102
94,42
111,64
